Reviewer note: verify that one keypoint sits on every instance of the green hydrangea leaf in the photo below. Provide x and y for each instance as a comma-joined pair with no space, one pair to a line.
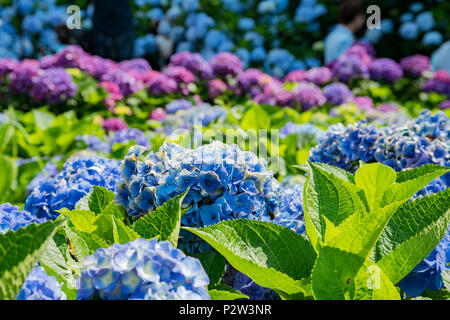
410,219
326,195
375,179
341,275
419,178
164,222
113,230
101,201
372,283
223,292
359,233
399,262
305,294
273,256
104,226
19,251
333,276
410,174
255,118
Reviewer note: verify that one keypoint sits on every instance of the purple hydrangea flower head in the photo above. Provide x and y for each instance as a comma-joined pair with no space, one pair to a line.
363,103
142,270
385,69
444,105
415,65
53,86
225,63
70,57
319,76
75,181
295,76
349,67
216,87
114,124
308,95
7,65
248,81
160,84
194,62
440,83
337,93
126,82
387,107
180,74
364,49
176,105
130,134
21,78
158,114
138,65
274,94
100,66
114,94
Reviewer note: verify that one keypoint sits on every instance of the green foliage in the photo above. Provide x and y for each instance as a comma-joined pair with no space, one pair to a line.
365,235
273,256
223,292
19,251
377,222
255,118
162,223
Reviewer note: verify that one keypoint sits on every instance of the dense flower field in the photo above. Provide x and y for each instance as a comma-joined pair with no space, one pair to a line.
294,39
216,176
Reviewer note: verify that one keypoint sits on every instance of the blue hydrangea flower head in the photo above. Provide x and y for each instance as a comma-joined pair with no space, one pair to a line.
142,270
75,181
176,105
409,31
291,208
12,218
407,145
127,135
425,21
432,38
224,183
40,286
93,143
428,273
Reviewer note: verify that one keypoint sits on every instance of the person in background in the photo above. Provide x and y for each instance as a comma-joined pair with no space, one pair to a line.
112,34
351,20
440,59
